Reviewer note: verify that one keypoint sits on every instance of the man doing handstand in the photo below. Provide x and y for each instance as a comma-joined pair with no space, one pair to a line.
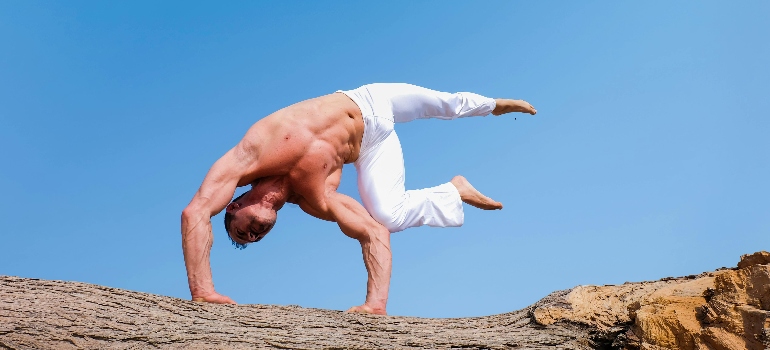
296,155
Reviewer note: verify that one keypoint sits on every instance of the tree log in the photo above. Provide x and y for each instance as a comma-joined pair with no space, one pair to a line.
724,309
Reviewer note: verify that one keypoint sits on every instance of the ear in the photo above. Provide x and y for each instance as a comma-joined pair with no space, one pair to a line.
232,206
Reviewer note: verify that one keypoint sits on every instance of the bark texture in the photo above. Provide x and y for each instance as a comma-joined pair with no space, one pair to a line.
725,309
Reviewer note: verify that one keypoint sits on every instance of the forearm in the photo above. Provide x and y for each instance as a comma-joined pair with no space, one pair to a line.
196,247
378,261
355,222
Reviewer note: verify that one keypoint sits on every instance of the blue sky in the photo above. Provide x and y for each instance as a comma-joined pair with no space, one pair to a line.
648,157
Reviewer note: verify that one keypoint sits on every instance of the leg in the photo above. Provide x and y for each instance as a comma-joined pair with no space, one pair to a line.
409,102
381,184
472,196
381,165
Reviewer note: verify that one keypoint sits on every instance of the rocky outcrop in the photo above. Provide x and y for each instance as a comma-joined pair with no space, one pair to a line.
724,309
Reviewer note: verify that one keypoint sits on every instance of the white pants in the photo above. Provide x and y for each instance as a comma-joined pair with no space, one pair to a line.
380,164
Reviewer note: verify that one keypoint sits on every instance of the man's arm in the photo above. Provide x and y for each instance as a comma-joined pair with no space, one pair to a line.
355,222
216,191
325,203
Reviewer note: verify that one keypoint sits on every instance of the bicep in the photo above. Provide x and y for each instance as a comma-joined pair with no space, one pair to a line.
220,182
312,211
352,218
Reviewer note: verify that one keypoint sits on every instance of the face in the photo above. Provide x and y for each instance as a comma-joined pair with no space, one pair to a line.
255,212
250,223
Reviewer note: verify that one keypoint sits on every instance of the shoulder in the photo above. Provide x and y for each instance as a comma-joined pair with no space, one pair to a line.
274,147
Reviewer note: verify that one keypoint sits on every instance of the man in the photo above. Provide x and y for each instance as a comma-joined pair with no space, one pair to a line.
296,155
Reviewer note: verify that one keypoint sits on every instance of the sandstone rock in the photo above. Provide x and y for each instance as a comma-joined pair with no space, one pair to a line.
758,258
724,309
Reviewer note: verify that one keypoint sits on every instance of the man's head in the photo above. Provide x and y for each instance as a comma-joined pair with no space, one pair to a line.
250,217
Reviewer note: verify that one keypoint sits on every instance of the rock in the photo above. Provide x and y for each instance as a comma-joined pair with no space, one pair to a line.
725,309
758,258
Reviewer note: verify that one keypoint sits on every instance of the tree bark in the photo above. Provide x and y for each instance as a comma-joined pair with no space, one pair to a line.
40,314
722,309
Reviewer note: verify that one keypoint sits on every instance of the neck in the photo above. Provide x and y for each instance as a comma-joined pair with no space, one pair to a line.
272,191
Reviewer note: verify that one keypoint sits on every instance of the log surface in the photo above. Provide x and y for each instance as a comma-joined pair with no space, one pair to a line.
42,314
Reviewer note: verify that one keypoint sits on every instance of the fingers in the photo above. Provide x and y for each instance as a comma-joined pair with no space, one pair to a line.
360,310
217,299
357,310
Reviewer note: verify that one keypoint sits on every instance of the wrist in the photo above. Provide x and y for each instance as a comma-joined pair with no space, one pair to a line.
201,292
376,304
377,310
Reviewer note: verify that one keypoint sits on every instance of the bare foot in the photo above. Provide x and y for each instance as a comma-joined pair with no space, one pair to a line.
470,195
504,106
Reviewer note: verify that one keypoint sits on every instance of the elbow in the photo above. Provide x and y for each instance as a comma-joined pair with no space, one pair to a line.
391,226
191,215
378,233
188,213
370,233
197,207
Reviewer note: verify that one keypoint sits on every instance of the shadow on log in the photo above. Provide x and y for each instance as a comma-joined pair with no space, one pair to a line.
723,309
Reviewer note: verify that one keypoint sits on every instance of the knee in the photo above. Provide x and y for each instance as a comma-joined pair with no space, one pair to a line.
388,218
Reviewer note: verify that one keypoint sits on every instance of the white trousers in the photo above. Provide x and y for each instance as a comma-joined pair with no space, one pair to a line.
380,164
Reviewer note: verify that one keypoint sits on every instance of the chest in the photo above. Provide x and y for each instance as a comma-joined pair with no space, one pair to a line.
315,171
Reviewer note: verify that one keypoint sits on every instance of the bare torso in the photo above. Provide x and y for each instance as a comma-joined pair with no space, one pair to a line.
309,142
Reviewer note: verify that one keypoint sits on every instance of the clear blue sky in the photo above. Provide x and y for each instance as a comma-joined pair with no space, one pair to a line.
648,157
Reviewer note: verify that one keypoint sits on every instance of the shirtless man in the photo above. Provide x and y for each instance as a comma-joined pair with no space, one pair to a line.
296,155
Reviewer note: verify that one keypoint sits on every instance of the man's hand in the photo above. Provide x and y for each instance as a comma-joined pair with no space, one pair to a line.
213,195
214,298
364,309
355,222
507,106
